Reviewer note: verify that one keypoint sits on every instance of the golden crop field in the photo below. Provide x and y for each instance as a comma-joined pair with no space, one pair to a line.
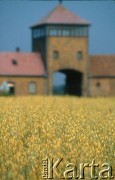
35,130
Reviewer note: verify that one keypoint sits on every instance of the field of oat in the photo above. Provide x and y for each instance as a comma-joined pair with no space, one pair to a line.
75,129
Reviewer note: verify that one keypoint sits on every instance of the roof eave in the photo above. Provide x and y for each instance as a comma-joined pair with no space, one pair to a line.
101,76
21,75
53,23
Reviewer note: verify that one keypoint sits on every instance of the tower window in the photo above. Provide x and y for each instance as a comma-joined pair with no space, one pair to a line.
81,31
79,55
55,55
85,31
53,32
59,32
66,32
39,32
42,32
78,31
35,33
32,88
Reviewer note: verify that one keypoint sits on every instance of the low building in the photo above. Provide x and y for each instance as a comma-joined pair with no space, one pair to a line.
102,75
24,73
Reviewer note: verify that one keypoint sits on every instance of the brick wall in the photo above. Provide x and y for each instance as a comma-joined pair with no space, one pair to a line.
102,87
67,48
112,86
22,84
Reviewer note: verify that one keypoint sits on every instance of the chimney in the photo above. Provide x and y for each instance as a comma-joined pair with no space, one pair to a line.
17,49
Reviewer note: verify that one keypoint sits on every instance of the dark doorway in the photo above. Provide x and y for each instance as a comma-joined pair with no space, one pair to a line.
11,88
73,82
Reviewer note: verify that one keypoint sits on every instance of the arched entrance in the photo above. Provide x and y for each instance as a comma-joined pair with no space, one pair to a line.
72,82
59,83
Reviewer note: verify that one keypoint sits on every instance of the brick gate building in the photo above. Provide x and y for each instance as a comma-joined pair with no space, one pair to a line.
59,44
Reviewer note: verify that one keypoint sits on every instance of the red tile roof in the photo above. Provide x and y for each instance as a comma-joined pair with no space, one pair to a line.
61,15
28,64
102,65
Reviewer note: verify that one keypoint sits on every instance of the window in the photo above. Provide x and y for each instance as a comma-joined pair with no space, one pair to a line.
79,55
35,33
65,32
42,32
98,84
32,88
81,31
85,31
39,32
53,32
72,32
77,32
56,55
59,32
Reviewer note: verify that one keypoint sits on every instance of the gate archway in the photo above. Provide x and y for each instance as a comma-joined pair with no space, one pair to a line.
72,83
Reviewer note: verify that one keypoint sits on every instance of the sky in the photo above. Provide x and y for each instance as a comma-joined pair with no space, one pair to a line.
17,16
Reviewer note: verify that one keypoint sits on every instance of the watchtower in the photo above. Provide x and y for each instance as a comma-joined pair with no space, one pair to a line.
62,39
